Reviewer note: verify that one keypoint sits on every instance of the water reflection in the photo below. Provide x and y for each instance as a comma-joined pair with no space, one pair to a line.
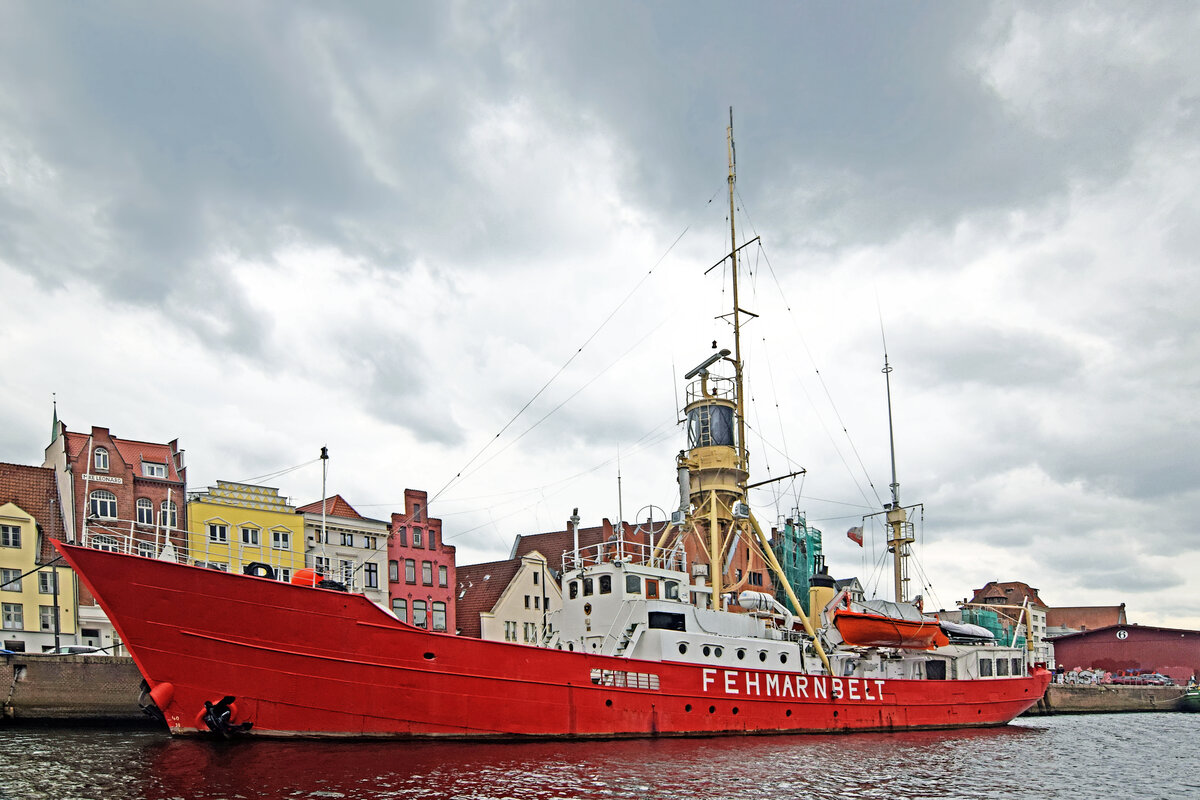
1142,756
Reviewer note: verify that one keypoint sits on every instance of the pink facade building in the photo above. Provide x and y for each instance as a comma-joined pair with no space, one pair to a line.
421,574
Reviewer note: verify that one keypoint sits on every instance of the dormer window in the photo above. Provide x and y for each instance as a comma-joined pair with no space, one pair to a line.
152,470
100,459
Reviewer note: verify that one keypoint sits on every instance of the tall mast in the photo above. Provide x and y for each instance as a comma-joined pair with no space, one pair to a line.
737,322
901,534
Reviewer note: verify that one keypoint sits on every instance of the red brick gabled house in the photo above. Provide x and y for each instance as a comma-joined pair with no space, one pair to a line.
421,570
122,493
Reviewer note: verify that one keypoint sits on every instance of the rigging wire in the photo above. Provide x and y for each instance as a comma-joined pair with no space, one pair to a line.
279,473
458,475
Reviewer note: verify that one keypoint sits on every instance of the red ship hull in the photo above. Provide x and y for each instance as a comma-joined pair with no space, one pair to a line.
312,662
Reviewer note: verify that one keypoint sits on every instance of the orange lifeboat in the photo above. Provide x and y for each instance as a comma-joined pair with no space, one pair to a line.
870,629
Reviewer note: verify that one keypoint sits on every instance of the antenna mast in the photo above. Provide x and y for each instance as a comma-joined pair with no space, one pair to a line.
737,322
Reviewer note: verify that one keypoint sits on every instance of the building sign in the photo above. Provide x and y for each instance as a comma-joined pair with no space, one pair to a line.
102,479
772,684
1122,634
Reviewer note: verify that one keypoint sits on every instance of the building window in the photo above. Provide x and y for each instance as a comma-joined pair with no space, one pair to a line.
427,573
152,470
400,609
250,536
347,571
531,632
416,537
535,579
510,631
410,571
14,617
47,583
167,516
402,535
145,549
347,539
321,564
10,536
370,542
100,459
443,576
108,543
371,576
46,617
104,504
527,601
10,580
432,539
145,511
394,571
285,574
281,540
419,613
218,533
439,616
416,513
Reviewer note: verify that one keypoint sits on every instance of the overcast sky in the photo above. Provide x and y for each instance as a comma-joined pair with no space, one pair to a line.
261,228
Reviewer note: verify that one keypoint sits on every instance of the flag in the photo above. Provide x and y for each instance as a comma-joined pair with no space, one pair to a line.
856,534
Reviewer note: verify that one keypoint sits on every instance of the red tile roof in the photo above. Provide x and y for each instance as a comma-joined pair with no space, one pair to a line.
1085,618
1013,592
479,589
132,452
553,544
335,506
35,491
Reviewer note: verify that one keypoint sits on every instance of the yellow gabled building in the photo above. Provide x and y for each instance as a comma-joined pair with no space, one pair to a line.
37,597
236,524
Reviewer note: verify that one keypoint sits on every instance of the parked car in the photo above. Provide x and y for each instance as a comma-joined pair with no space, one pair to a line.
79,650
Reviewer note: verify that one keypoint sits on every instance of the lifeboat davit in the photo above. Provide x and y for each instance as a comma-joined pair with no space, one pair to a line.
880,623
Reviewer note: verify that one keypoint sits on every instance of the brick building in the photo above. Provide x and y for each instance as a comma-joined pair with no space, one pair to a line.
421,569
121,493
1170,651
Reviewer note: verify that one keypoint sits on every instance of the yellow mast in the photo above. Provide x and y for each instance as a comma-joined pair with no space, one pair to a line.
714,468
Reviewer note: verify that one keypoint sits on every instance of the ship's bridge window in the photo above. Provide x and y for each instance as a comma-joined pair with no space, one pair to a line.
985,668
574,590
665,620
1002,667
651,589
633,584
587,587
606,584
671,590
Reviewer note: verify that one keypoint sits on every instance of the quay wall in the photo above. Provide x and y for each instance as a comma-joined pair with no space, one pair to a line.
1106,699
36,687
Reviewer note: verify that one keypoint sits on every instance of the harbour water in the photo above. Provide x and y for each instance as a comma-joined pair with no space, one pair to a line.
1143,756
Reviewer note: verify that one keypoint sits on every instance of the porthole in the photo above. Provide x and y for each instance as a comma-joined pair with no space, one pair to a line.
682,648
741,654
570,645
429,656
717,652
688,707
835,713
712,709
608,703
788,713
706,650
762,655
735,709
783,658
